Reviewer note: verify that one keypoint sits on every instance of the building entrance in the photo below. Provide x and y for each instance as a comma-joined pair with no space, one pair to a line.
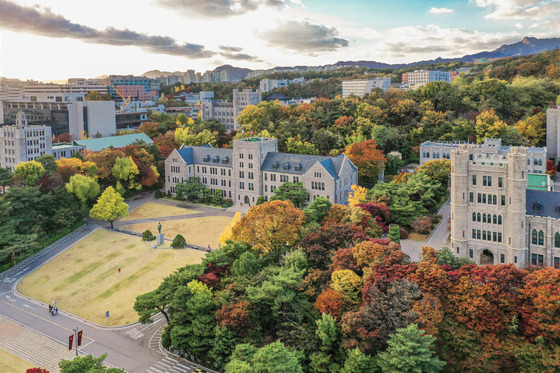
486,257
247,202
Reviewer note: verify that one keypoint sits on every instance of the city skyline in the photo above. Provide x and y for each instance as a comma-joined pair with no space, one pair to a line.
62,39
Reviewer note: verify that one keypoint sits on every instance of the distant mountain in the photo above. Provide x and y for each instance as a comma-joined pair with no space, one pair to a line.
525,47
235,73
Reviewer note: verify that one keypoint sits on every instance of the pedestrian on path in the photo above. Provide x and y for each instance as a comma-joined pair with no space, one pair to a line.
119,270
50,308
209,248
56,311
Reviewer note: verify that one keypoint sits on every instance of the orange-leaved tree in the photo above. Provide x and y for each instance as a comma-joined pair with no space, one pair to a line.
271,226
369,160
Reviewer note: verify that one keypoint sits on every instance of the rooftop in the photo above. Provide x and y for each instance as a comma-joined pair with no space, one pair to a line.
114,141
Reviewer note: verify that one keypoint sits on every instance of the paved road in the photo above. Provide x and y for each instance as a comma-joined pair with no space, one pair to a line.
437,239
134,348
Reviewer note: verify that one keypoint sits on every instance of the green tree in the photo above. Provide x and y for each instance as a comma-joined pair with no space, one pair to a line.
224,344
6,177
93,96
125,170
109,207
296,146
318,209
87,364
437,169
410,350
294,192
29,172
48,162
190,189
275,358
327,331
395,233
83,187
358,362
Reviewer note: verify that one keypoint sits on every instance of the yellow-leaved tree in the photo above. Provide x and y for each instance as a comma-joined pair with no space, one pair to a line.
229,229
109,207
357,195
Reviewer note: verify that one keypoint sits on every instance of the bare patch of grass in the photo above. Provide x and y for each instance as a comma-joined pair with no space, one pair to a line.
157,210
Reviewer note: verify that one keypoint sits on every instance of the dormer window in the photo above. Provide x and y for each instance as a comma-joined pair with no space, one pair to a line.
216,159
206,158
225,160
538,206
286,166
558,209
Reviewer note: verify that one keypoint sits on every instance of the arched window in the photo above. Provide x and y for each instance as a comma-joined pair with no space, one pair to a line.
499,219
541,238
474,216
478,217
557,240
528,161
484,218
535,161
540,162
494,219
427,154
534,237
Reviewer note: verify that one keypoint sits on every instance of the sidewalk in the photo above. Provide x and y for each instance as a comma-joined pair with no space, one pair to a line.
32,346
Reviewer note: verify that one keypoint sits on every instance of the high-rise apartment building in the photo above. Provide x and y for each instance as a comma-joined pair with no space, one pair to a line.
364,86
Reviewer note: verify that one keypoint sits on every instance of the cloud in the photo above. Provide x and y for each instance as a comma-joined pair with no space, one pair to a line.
303,36
218,8
45,23
440,10
518,25
520,9
426,42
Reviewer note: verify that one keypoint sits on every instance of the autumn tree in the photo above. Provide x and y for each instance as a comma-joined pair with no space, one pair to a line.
109,207
421,224
149,128
368,159
488,125
348,284
29,172
331,302
533,129
357,195
124,171
272,226
437,169
83,187
226,235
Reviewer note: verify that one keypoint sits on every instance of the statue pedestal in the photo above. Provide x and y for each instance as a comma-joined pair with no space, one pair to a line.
159,238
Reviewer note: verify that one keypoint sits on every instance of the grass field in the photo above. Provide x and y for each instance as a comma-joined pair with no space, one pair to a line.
156,210
202,231
12,364
85,280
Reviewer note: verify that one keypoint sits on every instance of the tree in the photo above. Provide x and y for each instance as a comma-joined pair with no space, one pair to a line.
83,187
272,358
327,331
295,145
294,192
421,224
533,129
29,172
125,170
358,362
437,169
410,350
357,195
6,177
272,226
190,189
368,159
489,125
93,96
87,364
330,302
149,128
226,235
49,163
109,207
395,233
318,209
348,284
178,242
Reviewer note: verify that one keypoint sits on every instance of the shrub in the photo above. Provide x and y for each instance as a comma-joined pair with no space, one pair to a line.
148,236
158,194
227,203
404,234
260,200
178,242
165,338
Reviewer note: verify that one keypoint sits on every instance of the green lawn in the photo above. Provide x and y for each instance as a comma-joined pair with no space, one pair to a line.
201,231
156,210
85,280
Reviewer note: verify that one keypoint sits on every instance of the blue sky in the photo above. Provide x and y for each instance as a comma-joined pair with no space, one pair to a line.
58,39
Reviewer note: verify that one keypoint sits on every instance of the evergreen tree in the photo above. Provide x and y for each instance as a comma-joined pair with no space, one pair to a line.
395,233
358,362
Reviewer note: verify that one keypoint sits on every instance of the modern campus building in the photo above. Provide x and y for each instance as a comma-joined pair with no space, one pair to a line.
139,88
22,142
227,112
501,211
418,78
69,114
364,86
271,84
254,168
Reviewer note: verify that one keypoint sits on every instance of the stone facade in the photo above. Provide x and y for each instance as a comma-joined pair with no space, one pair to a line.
227,112
494,214
553,133
254,168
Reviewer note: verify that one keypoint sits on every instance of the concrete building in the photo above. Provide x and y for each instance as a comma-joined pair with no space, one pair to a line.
139,88
254,168
553,133
60,151
70,114
22,142
271,84
101,143
420,77
498,214
430,150
364,86
227,112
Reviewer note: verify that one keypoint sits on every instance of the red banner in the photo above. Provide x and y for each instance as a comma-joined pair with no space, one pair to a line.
80,338
70,342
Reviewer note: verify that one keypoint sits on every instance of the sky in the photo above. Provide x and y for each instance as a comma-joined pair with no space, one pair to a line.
59,39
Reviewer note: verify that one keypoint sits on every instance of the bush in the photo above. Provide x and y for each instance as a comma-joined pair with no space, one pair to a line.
165,338
227,203
260,200
158,194
178,242
148,236
404,234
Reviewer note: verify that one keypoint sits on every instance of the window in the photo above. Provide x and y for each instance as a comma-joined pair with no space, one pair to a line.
499,237
556,262
515,259
534,237
494,219
484,181
537,259
471,254
494,236
474,233
242,185
500,220
483,198
471,197
489,181
500,182
473,179
541,238
478,235
503,200
495,199
242,174
537,206
474,216
479,198
484,235
502,258
478,217
484,218
557,240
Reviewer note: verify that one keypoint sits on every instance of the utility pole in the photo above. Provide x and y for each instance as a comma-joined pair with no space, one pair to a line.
77,336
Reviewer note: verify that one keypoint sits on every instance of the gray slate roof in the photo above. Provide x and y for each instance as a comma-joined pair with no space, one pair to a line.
331,164
548,200
197,155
